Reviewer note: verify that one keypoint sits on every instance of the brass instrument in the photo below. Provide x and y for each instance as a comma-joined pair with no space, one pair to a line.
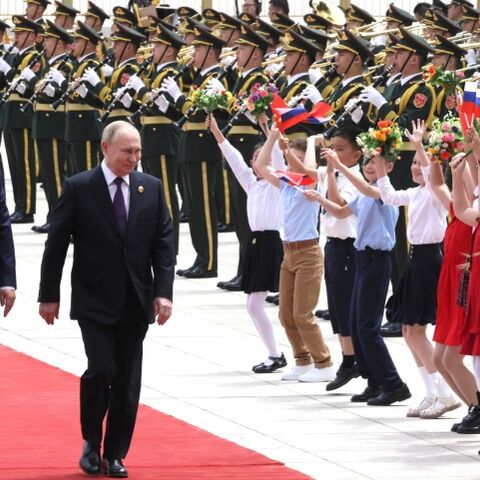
362,28
278,59
411,28
322,65
228,52
185,54
330,12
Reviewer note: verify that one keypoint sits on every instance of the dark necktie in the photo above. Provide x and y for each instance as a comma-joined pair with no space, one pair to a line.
119,205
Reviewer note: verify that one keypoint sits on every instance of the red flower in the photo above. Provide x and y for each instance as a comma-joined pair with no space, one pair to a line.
384,123
445,156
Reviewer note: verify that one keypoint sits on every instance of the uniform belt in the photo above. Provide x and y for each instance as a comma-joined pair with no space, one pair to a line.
15,97
407,147
119,112
300,244
47,107
244,130
79,107
155,121
192,126
297,136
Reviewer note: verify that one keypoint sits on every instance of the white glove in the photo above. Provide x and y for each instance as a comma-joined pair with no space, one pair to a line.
251,117
82,90
380,40
214,85
126,99
48,90
227,61
295,100
56,76
20,87
162,103
370,95
314,74
170,86
135,82
471,57
273,69
27,74
91,76
107,70
312,94
4,66
351,103
357,115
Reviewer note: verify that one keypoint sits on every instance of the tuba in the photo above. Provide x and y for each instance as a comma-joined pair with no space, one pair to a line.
329,11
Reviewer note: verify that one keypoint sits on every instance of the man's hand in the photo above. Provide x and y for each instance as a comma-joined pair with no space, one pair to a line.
136,83
49,311
7,299
371,95
312,94
91,76
170,86
162,308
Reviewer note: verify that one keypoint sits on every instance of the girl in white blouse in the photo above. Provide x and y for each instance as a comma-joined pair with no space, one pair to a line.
414,303
264,251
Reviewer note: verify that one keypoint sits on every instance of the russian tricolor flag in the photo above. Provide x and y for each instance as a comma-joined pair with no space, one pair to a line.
295,179
469,109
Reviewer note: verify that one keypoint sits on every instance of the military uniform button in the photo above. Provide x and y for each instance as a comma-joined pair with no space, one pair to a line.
254,241
200,135
154,129
79,115
241,139
47,114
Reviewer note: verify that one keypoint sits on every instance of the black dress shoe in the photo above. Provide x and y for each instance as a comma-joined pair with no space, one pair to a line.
389,329
391,396
367,394
90,459
270,298
471,422
222,284
343,376
114,468
234,286
276,300
182,271
21,217
277,362
199,272
223,228
41,229
325,314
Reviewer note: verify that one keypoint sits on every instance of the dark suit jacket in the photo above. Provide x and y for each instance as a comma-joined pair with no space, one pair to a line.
7,249
104,261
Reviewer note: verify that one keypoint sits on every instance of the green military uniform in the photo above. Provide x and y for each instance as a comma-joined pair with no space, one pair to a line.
48,128
201,159
3,50
18,124
83,129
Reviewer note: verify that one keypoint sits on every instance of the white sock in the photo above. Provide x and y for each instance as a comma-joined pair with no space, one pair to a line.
476,370
441,387
428,381
262,322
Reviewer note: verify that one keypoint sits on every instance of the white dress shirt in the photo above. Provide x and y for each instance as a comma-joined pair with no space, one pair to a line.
339,227
112,187
427,218
264,203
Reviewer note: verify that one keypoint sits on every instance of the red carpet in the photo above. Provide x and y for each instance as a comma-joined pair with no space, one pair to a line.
40,435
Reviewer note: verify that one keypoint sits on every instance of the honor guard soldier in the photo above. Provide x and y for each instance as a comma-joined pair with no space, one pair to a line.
65,15
95,17
412,99
300,54
244,135
125,45
20,80
448,56
160,136
83,128
200,155
455,9
48,129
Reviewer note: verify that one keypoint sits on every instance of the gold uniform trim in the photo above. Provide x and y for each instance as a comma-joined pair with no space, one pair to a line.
157,120
226,188
88,152
166,188
27,172
56,167
208,219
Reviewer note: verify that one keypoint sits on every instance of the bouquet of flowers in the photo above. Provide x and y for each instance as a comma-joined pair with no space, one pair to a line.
260,98
385,140
439,77
210,100
446,139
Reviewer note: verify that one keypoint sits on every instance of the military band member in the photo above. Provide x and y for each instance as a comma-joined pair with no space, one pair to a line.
35,9
441,26
411,99
95,17
199,155
455,9
18,124
3,53
211,17
83,128
48,128
358,17
470,23
317,22
125,17
65,15
281,21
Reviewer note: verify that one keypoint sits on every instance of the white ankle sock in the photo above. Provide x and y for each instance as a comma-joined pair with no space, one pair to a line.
441,387
428,381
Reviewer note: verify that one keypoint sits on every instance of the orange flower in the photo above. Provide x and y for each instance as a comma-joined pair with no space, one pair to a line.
380,136
384,123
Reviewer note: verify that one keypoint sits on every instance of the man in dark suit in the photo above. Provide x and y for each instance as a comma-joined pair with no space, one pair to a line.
121,231
8,280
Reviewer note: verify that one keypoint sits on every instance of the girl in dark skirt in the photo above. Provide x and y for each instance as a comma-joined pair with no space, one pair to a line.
264,251
414,303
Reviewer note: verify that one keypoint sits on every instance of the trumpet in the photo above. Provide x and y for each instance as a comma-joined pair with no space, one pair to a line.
227,52
322,65
278,59
363,28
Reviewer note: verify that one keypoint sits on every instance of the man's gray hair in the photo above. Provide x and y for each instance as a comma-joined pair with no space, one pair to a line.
113,128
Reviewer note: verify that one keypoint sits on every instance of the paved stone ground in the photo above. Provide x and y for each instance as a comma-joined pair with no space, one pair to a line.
197,368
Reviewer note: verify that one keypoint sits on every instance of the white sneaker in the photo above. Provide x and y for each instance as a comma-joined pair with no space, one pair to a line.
326,374
440,406
427,402
296,371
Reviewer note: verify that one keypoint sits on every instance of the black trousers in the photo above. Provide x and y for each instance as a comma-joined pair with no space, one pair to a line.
372,272
164,167
111,384
199,189
223,197
21,161
51,154
82,156
339,277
